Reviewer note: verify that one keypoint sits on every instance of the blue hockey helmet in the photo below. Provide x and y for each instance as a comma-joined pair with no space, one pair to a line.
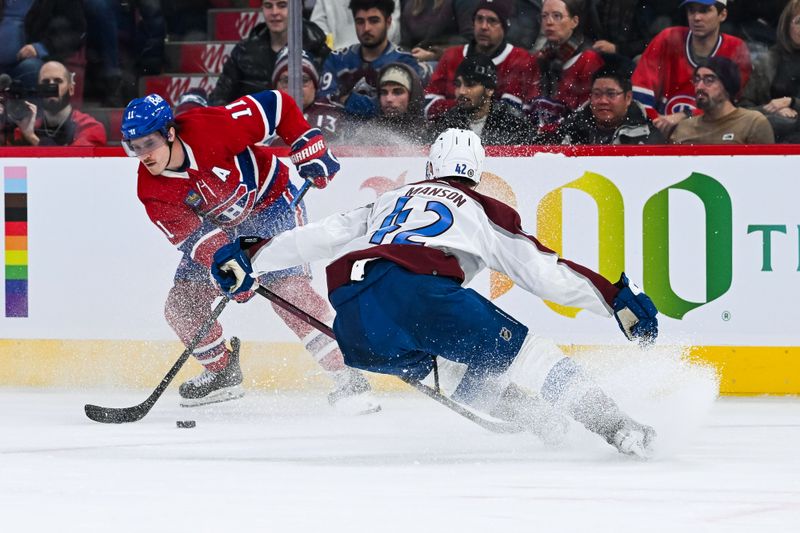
146,115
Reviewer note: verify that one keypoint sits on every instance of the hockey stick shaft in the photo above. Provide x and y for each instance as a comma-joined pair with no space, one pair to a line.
121,415
302,192
496,427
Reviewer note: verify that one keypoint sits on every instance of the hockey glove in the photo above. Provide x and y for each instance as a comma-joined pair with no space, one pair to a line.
314,162
635,313
232,269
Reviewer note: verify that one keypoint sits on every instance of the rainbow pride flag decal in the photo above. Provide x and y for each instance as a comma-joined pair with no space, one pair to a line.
15,181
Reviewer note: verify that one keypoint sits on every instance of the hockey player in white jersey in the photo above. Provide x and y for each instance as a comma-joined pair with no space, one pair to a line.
396,285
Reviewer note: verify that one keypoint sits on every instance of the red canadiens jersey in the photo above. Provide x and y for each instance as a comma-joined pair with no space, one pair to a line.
513,74
225,177
662,81
572,91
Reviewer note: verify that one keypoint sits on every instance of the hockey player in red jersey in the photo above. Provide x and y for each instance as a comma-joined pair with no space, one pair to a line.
397,286
203,182
662,81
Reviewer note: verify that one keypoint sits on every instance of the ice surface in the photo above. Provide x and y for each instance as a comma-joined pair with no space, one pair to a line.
282,462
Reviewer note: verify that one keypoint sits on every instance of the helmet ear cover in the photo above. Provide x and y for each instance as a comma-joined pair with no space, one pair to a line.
456,153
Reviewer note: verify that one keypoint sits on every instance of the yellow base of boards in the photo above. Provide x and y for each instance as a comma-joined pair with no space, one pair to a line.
140,364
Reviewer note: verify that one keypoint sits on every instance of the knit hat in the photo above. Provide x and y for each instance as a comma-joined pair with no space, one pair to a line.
704,2
728,73
282,65
478,68
501,8
397,75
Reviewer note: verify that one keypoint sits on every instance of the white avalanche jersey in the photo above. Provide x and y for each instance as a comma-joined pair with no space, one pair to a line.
443,228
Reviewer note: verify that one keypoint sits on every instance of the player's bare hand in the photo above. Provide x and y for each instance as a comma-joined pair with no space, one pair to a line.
776,104
606,47
26,52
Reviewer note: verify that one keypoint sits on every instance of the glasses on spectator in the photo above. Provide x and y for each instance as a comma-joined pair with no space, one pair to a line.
796,21
596,94
556,17
491,21
707,79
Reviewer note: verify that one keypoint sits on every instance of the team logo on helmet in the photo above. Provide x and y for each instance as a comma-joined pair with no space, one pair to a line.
154,99
505,334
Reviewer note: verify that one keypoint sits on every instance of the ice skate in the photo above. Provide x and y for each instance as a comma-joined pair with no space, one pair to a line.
633,438
533,414
213,387
353,394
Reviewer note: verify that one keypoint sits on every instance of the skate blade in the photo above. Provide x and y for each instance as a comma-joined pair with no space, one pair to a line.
218,396
357,405
633,445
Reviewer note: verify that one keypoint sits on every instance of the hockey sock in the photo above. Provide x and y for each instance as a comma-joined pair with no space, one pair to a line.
324,350
214,357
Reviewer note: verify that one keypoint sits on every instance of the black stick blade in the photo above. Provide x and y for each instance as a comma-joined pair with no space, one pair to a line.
113,415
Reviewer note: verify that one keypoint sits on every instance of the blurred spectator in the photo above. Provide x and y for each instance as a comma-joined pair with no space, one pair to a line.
562,74
54,122
335,17
662,80
513,64
523,20
191,99
350,76
496,122
611,116
323,115
104,74
617,26
722,122
400,118
429,27
250,66
187,20
146,30
35,31
754,22
774,88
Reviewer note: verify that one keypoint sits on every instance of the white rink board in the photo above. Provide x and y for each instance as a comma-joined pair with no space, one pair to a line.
98,269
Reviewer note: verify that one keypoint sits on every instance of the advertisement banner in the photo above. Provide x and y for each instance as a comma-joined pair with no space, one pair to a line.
714,240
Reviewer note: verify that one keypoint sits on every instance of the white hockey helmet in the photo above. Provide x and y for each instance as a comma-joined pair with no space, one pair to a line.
456,153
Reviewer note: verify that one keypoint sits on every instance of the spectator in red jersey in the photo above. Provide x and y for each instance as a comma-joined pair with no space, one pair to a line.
54,122
662,80
324,115
490,22
774,88
563,68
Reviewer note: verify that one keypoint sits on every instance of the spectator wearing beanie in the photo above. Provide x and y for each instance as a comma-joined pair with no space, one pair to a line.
716,85
323,115
400,118
496,122
513,64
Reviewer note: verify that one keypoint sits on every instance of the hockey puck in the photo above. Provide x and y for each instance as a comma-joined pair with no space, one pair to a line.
186,423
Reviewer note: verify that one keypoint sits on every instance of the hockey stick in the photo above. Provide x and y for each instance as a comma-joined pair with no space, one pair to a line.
122,415
496,427
302,192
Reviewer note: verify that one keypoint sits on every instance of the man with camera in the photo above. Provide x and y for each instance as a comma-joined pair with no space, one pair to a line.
51,121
